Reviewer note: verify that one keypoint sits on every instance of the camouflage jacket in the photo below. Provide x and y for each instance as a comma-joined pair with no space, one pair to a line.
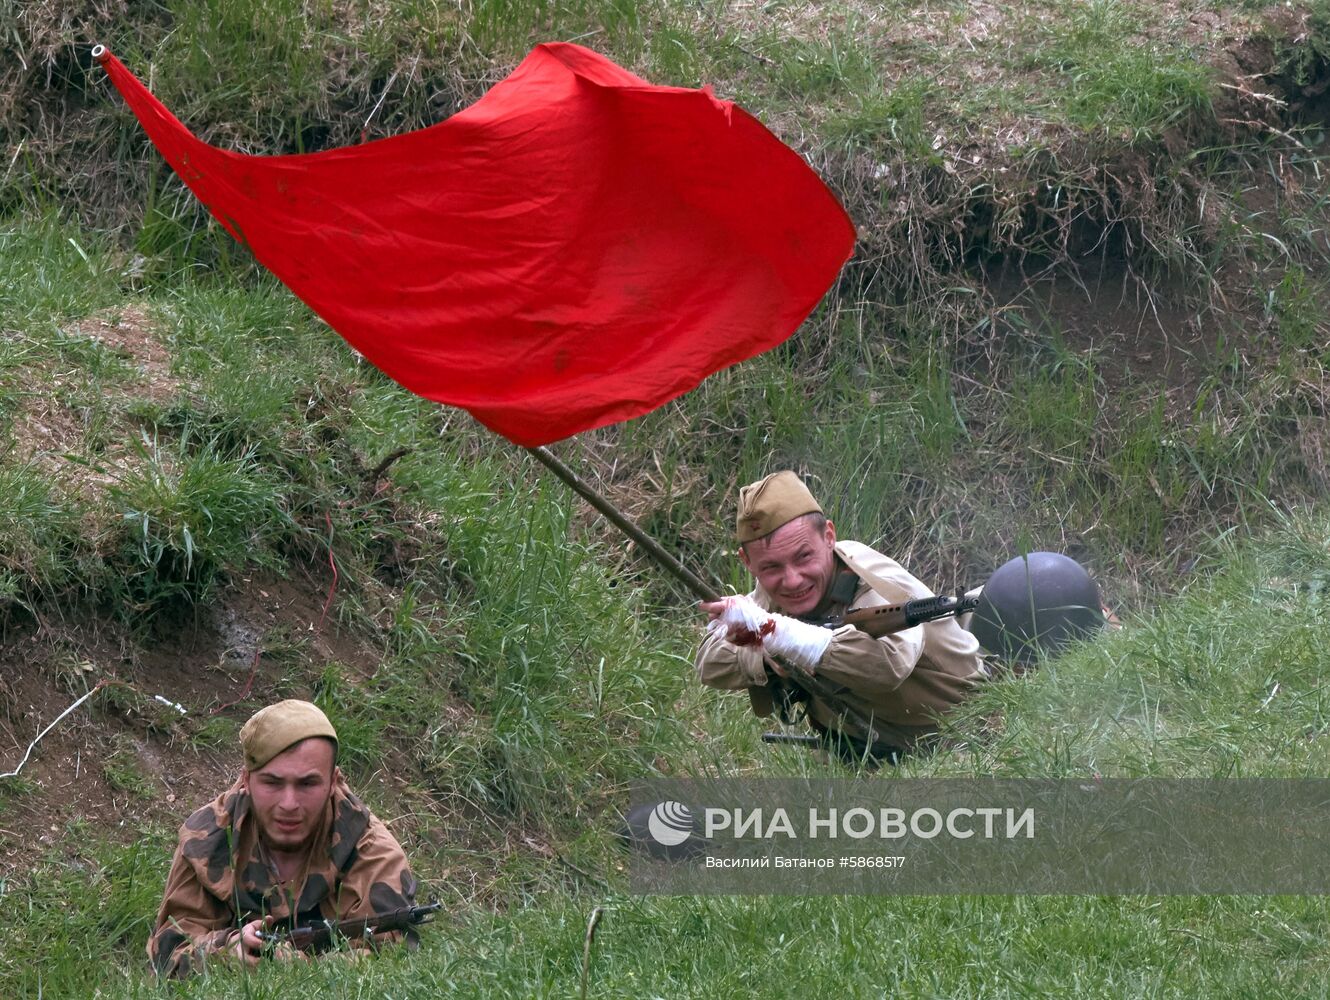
219,882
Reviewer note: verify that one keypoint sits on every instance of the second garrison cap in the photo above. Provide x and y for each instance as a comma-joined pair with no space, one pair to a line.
278,727
772,503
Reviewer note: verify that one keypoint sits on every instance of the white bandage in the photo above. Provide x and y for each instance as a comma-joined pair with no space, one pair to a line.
780,635
798,642
741,616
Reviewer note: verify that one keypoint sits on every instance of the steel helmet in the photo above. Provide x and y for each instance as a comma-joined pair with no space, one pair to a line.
666,831
1036,603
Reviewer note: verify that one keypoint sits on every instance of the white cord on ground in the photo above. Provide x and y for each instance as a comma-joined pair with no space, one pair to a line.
171,704
14,773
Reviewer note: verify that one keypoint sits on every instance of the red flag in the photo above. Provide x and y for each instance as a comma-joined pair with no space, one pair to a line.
574,249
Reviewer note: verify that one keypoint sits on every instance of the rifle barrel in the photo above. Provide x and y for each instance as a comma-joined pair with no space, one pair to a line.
323,934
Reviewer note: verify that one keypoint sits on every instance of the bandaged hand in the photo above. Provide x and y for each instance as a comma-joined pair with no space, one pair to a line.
746,624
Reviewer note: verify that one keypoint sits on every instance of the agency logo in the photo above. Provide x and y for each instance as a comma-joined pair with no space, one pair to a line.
670,823
664,829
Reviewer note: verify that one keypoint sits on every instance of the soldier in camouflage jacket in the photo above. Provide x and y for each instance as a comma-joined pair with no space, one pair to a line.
287,845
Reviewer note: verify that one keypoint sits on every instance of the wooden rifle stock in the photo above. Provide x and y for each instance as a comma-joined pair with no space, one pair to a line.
878,622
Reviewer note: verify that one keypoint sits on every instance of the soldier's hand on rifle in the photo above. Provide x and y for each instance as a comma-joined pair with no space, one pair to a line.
256,942
249,946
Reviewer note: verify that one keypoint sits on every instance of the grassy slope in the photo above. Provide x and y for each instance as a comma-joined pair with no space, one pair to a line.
1155,699
253,440
1095,142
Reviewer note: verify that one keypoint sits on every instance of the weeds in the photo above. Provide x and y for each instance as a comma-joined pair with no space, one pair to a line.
529,664
188,514
1162,699
124,775
1105,80
36,536
51,273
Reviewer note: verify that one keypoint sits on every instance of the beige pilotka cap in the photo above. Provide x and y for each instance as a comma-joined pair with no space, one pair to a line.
771,503
281,726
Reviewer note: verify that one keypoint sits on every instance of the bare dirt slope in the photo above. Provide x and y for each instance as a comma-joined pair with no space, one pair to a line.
126,760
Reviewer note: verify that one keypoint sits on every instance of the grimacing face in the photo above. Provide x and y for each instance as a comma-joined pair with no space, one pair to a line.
795,564
289,793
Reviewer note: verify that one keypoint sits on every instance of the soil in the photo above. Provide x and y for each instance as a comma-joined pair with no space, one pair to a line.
128,759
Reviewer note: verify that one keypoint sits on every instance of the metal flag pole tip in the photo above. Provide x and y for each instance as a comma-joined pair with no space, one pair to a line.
99,52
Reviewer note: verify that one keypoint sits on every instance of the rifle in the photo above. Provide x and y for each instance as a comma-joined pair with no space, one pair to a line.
877,622
890,618
324,935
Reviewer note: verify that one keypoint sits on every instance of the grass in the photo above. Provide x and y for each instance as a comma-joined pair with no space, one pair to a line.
124,775
188,514
1190,690
35,531
1154,699
572,681
1105,78
174,423
1241,946
51,277
887,79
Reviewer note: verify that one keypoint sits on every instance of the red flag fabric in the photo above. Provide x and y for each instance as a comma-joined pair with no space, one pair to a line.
574,249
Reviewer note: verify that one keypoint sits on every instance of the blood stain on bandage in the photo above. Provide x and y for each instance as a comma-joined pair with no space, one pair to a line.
744,636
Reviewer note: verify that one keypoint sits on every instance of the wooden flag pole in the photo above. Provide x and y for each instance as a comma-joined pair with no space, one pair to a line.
699,587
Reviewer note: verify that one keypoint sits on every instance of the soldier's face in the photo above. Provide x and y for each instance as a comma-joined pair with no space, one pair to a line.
288,794
794,564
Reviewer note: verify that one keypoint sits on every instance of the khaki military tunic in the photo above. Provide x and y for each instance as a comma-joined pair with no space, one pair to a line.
905,682
219,880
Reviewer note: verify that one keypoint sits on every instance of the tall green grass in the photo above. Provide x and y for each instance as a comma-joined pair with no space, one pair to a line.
188,514
1222,681
1009,947
1106,76
36,538
51,273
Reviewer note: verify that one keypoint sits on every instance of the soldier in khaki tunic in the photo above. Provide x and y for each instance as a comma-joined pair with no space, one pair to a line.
287,845
903,682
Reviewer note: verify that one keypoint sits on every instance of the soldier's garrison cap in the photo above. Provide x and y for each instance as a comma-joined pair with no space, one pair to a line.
276,728
771,503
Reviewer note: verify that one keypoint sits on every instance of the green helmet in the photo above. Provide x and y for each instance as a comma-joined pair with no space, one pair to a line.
1036,603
